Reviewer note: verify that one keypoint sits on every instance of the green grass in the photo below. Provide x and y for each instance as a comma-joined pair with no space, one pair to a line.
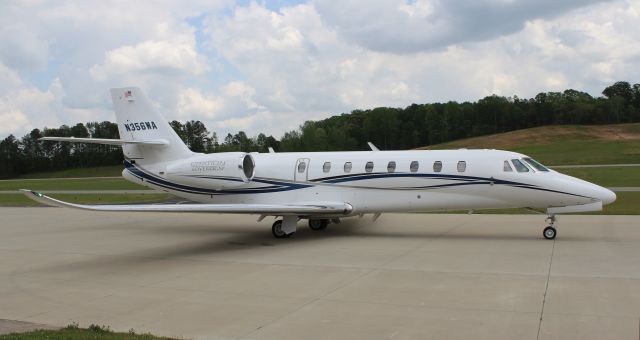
20,200
606,176
99,171
567,152
70,184
627,203
75,333
564,144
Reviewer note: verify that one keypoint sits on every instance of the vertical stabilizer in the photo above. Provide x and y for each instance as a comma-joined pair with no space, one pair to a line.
138,120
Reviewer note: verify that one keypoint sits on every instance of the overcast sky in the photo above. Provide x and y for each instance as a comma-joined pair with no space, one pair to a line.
269,66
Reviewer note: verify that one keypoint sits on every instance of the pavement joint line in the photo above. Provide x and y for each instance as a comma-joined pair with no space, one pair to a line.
365,273
546,288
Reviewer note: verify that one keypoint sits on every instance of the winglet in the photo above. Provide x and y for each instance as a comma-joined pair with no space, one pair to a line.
40,198
373,147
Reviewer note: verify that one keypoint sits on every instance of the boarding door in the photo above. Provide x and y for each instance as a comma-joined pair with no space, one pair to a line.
302,170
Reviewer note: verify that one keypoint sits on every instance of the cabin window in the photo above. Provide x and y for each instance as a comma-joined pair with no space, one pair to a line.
391,167
368,167
437,166
414,166
302,166
462,166
535,164
347,167
326,167
519,166
507,167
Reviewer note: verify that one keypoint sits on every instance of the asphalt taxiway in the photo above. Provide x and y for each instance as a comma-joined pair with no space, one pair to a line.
406,276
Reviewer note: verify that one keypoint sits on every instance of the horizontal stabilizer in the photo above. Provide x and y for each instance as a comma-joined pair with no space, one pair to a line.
319,209
105,141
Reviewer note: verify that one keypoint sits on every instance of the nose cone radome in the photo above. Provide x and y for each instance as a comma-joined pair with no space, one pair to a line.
606,196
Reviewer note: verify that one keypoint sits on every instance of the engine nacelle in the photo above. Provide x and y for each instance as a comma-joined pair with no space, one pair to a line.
213,171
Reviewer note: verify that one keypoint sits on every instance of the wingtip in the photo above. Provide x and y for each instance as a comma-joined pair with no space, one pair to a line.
30,193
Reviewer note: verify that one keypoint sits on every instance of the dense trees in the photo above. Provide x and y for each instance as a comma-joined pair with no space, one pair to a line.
388,128
31,155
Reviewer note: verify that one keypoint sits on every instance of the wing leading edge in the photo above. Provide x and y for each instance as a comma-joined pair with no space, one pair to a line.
301,209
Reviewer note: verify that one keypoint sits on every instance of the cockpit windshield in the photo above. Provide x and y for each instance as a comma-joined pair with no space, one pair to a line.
536,165
520,167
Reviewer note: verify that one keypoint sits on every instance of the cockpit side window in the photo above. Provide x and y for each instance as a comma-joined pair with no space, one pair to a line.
535,164
520,167
507,167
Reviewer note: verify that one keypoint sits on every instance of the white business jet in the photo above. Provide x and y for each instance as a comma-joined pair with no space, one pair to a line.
323,187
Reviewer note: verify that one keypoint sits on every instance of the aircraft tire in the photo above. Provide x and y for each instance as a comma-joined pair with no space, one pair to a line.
276,230
318,224
549,233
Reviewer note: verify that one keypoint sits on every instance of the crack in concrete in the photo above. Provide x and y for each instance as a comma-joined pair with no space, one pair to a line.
546,288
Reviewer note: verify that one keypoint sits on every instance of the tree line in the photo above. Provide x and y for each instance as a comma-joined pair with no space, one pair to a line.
388,128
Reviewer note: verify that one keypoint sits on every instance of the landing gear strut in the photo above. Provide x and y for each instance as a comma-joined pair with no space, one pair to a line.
550,232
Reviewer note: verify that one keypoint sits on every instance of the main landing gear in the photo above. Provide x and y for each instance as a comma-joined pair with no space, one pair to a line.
550,232
318,224
276,230
287,225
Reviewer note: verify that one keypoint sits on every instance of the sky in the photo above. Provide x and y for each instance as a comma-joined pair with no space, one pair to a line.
268,66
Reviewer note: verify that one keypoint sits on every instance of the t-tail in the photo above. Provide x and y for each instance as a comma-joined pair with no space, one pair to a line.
145,135
141,126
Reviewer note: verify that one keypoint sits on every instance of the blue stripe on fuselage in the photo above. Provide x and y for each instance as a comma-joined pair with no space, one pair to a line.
279,186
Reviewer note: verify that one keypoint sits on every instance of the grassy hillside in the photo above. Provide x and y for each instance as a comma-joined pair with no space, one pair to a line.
564,144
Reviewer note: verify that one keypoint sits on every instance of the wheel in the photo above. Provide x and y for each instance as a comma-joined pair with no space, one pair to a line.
318,224
549,233
276,230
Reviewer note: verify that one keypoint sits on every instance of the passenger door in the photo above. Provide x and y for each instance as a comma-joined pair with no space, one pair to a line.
302,170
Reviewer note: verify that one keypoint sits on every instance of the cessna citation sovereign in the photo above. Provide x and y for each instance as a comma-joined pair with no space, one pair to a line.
323,187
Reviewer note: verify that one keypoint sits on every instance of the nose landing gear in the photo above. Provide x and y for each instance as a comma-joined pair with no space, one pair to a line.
550,232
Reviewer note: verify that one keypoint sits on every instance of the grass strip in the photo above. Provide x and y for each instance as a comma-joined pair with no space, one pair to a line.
73,332
20,200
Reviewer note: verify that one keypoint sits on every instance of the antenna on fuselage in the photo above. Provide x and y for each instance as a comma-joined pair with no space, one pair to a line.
373,147
271,150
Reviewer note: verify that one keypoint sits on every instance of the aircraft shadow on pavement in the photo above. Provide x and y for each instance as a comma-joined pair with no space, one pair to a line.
244,238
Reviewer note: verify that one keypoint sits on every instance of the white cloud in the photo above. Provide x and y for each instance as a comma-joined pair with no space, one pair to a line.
24,107
151,57
400,26
260,70
12,120
193,104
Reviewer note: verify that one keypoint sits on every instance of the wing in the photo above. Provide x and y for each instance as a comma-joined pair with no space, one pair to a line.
300,209
104,141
